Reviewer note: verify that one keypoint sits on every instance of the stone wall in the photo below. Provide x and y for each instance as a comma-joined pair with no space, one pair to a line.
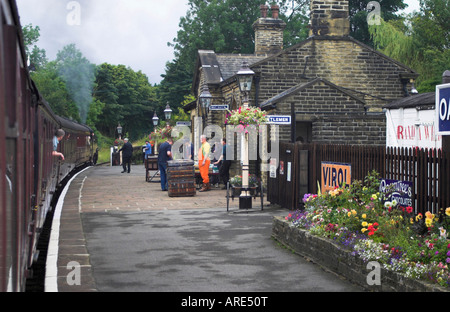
332,257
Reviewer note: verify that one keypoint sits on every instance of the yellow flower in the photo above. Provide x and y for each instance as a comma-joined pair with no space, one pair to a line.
374,196
364,223
428,222
363,230
429,215
411,220
354,212
364,216
447,211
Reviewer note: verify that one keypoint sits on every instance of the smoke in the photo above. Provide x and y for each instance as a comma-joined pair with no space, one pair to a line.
79,75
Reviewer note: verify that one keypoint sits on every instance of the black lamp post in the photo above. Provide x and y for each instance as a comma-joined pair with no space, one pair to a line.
245,79
119,130
205,99
168,112
155,119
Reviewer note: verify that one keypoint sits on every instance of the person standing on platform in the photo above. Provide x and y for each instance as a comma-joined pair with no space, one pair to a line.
127,153
148,149
204,162
164,155
224,164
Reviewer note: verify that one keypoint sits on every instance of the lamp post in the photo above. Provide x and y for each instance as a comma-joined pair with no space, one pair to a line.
205,99
168,112
245,79
119,131
155,119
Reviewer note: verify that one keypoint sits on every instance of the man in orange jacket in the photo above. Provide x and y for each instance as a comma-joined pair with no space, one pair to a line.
203,163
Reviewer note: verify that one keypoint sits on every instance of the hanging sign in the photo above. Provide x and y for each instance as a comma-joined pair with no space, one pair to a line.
443,108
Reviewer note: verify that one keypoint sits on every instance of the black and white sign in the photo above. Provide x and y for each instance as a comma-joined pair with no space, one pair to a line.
279,119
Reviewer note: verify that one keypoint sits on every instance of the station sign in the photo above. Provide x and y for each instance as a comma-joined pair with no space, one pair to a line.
335,175
184,123
279,119
443,109
218,107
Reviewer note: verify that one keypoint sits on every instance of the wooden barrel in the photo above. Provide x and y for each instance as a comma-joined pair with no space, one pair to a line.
181,178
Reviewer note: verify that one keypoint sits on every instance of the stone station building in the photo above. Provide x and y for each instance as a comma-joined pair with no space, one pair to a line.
333,86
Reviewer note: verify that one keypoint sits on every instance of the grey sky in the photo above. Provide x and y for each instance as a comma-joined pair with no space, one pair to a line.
129,32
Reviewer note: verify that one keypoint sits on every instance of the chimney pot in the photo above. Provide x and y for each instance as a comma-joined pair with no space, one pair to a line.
275,9
263,8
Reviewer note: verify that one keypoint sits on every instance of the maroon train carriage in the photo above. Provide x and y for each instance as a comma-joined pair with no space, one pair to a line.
29,173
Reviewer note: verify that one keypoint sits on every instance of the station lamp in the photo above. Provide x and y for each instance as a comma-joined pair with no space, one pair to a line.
245,77
168,112
155,120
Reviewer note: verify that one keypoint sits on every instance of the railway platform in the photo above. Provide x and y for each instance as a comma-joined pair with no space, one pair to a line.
115,231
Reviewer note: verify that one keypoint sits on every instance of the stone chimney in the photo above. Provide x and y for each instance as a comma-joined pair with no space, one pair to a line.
268,32
329,18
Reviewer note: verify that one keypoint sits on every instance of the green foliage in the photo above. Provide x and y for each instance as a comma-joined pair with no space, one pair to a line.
54,90
127,98
37,57
421,41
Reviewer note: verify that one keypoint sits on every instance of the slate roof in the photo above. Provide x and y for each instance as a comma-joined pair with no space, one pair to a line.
417,100
270,103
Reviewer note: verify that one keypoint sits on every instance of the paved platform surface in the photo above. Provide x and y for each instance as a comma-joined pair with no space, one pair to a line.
118,232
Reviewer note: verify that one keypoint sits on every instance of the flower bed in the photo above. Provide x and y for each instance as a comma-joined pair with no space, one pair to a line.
371,227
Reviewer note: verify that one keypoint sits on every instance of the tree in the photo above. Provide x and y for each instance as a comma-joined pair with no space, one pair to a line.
358,11
54,91
421,41
128,99
36,56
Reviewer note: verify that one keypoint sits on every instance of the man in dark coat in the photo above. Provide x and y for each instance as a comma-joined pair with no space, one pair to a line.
127,152
164,155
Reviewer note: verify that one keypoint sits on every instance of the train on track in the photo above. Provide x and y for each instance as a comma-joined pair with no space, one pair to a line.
30,175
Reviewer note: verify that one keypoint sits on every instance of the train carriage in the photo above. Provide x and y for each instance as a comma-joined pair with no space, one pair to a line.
29,174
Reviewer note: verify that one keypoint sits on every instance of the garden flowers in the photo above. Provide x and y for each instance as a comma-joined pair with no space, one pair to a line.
377,229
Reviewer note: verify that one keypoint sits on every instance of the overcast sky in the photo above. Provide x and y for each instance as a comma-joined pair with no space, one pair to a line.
129,32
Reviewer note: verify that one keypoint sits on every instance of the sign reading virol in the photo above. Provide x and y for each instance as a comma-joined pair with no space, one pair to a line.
335,174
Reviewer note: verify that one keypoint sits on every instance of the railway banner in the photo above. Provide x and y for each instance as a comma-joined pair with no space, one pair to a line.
334,175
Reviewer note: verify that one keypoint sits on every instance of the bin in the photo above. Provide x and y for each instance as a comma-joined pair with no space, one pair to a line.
181,178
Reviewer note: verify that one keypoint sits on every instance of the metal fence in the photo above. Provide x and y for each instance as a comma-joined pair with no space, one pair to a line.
299,171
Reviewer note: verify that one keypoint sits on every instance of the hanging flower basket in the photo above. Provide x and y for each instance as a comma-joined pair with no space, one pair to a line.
243,118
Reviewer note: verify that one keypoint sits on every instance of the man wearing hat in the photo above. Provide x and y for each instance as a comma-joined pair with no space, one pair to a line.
127,152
